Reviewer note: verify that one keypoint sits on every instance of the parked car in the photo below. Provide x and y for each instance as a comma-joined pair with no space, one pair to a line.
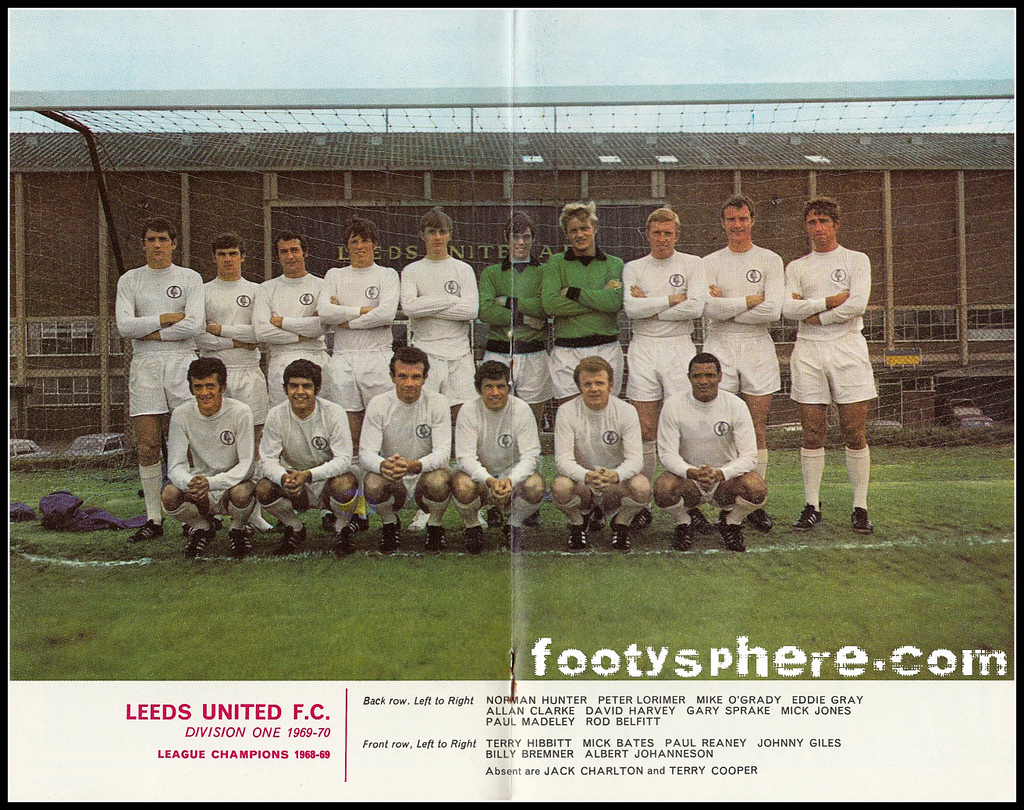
26,454
963,413
26,448
98,446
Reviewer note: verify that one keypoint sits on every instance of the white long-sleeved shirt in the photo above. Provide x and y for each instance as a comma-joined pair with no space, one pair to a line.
586,440
354,289
719,433
441,300
144,294
230,304
652,316
320,443
817,276
221,446
497,444
296,301
757,271
421,430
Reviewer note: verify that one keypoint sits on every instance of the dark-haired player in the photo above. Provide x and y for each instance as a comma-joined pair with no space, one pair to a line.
306,459
358,304
406,448
286,317
510,304
746,283
210,455
827,292
497,450
160,309
439,294
706,444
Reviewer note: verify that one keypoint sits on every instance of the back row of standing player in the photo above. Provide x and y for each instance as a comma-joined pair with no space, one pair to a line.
168,313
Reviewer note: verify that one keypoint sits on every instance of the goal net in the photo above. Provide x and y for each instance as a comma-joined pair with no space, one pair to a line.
926,186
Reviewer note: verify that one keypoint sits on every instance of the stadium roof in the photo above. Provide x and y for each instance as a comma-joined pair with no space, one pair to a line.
443,151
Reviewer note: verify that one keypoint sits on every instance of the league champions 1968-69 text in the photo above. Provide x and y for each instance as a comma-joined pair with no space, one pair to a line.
547,739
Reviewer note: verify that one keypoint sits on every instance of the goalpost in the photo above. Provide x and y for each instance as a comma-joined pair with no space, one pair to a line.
924,171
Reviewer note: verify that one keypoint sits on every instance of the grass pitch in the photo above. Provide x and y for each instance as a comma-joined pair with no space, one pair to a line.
936,574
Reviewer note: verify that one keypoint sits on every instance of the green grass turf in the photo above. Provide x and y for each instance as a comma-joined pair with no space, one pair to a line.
937,574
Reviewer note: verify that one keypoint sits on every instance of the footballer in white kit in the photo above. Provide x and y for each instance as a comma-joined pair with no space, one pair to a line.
706,444
406,450
599,457
497,451
746,284
286,316
159,308
358,305
663,297
306,460
211,455
827,292
439,295
228,334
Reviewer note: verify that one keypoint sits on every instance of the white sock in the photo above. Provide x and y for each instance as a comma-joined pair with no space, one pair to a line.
628,509
436,510
152,478
858,467
679,513
650,460
762,462
469,512
812,467
256,519
240,514
521,510
283,510
572,510
739,510
188,513
386,510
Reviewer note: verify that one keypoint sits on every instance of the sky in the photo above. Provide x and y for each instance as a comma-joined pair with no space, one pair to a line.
174,49
123,50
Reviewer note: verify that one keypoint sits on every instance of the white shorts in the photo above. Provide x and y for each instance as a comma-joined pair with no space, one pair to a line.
531,375
750,364
359,377
278,363
825,371
708,495
453,378
657,367
219,501
564,360
158,382
247,384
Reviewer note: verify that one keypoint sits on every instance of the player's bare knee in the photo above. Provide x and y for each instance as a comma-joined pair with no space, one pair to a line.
855,438
464,488
435,485
172,497
343,488
666,490
267,491
532,489
563,489
639,489
241,494
375,488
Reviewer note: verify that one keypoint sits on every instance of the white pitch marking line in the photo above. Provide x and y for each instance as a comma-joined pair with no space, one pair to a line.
888,544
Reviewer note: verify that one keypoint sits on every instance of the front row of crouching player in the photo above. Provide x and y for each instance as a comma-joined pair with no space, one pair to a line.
705,440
